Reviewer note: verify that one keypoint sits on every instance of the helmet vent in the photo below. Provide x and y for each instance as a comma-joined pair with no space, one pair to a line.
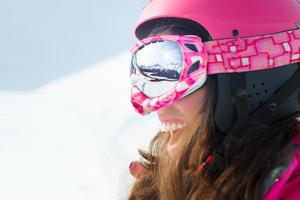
262,85
258,92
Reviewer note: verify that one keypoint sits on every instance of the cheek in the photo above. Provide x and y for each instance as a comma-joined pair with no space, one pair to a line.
190,105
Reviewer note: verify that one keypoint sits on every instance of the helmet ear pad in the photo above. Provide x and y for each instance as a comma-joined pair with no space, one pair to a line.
259,87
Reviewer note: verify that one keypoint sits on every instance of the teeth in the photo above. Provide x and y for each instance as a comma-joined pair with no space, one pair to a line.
173,127
168,127
165,127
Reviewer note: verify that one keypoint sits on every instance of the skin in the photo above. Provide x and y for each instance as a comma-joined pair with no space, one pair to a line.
181,111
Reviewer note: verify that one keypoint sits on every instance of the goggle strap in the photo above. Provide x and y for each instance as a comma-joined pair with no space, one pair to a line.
253,53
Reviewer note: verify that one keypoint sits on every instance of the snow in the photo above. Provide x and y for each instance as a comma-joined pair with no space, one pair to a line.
72,138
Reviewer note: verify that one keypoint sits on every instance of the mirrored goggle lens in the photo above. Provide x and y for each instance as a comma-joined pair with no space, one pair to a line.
156,67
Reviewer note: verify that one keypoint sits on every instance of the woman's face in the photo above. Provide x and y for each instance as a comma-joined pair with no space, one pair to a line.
179,114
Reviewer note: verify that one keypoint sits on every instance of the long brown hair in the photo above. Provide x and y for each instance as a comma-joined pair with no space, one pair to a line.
264,147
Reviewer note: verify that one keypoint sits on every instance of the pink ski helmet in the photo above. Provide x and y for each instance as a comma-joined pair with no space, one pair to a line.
270,94
220,18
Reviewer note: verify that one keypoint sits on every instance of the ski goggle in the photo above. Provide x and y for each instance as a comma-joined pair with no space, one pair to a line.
165,68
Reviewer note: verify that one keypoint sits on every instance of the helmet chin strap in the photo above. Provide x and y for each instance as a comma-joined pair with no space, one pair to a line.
234,137
219,156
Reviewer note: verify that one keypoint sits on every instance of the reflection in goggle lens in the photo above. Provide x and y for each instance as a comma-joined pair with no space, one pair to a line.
156,67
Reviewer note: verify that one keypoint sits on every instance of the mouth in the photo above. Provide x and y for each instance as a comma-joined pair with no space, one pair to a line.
172,126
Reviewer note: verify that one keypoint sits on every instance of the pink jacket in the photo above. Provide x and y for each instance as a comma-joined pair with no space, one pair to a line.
287,185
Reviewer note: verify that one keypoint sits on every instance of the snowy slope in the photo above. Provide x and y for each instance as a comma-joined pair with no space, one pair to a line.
73,138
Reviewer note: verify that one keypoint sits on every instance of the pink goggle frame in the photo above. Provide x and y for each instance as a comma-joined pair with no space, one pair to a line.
219,56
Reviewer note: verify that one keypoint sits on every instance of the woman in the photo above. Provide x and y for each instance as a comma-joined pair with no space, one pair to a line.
223,77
